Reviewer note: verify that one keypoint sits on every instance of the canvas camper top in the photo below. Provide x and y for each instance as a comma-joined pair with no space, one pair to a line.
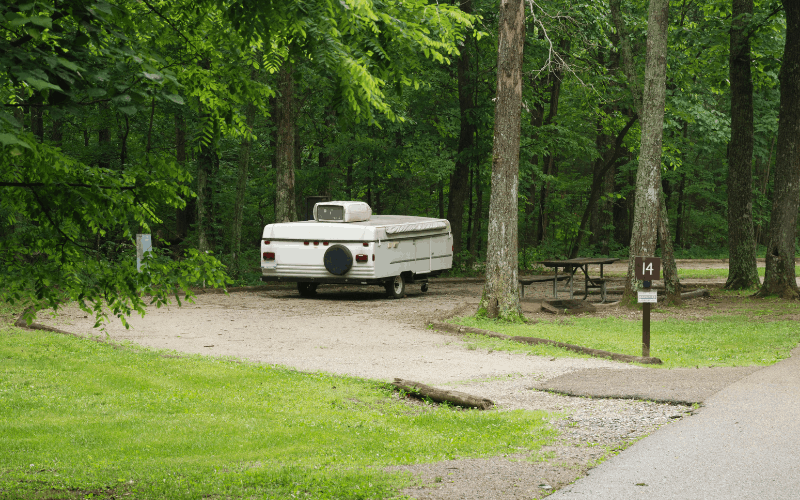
353,221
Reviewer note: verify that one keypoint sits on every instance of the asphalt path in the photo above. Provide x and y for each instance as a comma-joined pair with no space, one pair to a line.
743,444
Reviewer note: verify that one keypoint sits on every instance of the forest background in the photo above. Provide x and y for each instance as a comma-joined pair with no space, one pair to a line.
201,122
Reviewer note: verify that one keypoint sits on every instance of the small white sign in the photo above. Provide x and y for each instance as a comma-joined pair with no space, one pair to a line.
648,296
144,244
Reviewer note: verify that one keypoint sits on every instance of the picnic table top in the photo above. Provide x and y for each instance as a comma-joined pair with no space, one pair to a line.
578,262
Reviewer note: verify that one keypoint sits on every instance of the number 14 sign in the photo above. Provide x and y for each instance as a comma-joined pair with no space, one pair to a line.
647,268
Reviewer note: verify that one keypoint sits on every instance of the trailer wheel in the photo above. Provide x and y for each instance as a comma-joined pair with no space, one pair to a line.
424,287
307,289
396,288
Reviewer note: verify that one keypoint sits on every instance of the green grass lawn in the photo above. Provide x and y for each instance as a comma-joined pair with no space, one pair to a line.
700,273
731,340
81,418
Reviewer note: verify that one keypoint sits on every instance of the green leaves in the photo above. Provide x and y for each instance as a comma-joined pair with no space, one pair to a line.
60,205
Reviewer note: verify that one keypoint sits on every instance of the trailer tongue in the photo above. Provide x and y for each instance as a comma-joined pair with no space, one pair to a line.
346,244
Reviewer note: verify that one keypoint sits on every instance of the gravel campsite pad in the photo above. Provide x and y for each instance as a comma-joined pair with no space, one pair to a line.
359,332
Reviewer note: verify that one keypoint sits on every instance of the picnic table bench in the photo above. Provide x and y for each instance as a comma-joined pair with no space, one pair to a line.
529,280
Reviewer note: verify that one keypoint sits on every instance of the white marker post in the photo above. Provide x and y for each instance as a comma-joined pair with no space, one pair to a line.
647,269
144,243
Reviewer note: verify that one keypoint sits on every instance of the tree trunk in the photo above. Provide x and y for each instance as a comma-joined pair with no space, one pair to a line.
183,216
779,278
537,120
37,122
627,53
205,166
680,216
549,167
56,134
598,182
284,149
648,176
742,269
459,181
501,293
123,143
475,247
241,188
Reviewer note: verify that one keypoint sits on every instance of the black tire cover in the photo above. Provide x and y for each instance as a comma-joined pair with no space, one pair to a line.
338,260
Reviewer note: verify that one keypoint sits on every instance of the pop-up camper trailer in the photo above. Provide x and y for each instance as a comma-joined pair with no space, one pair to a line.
345,243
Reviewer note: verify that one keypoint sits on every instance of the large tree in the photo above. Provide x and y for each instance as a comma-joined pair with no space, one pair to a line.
743,272
648,175
779,277
501,291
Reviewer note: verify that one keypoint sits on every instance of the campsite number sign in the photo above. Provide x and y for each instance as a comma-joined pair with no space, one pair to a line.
647,269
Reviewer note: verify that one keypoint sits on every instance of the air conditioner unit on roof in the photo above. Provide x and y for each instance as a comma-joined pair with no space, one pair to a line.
342,211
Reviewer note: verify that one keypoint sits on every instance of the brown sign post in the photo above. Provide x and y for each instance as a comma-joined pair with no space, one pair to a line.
646,269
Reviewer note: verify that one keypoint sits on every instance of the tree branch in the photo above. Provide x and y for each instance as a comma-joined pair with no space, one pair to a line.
70,184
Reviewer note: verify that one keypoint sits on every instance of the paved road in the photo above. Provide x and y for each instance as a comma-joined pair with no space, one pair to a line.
744,444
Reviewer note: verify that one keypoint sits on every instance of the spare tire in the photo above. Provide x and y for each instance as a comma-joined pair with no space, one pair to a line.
338,260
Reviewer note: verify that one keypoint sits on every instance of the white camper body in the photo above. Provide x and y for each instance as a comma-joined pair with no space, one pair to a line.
388,250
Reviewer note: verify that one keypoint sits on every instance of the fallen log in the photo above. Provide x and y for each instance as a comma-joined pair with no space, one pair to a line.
442,396
697,293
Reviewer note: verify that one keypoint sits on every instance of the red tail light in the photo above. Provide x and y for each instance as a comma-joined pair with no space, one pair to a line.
361,258
316,243
269,255
266,242
325,243
365,244
305,243
373,257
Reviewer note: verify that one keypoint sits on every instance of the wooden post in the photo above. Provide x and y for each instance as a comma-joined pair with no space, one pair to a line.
646,325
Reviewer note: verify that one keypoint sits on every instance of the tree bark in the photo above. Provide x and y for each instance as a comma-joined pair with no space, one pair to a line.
742,269
648,176
285,210
501,293
779,278
459,180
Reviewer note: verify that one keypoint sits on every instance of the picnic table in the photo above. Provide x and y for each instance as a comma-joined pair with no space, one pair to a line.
571,266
